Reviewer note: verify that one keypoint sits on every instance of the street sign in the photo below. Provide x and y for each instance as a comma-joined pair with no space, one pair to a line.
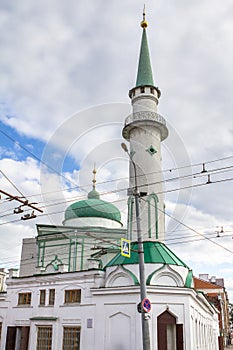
146,305
125,247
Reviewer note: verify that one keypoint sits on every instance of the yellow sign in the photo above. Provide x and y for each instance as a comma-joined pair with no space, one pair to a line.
125,247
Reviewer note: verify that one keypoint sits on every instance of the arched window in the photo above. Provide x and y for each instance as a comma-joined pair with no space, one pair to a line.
130,216
152,201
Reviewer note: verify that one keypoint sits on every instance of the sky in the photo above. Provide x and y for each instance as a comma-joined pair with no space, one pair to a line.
66,69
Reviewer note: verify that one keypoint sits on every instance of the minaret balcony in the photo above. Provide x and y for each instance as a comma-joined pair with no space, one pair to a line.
137,118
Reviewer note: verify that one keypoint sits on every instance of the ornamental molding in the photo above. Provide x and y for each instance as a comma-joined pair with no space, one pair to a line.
145,115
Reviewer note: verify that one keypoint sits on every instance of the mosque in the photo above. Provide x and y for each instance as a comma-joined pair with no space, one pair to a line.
75,290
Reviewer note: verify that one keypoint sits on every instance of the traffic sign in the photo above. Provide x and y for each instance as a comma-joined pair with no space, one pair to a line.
125,247
146,305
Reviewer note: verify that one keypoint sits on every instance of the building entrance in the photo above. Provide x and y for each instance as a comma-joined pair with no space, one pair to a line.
170,334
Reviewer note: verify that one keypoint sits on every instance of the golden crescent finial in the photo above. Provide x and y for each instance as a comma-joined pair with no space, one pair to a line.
144,23
94,179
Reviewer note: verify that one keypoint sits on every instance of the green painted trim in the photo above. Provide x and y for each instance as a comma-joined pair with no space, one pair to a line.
41,318
54,245
82,254
136,282
130,217
155,207
151,150
189,279
41,255
75,243
53,237
149,219
149,278
55,262
157,221
69,256
62,230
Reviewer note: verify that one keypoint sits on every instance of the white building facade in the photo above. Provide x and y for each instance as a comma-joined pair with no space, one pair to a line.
74,289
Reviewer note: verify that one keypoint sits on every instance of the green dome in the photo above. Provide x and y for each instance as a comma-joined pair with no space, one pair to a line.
93,207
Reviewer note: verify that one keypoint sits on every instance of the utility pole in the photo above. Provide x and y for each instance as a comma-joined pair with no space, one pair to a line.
144,315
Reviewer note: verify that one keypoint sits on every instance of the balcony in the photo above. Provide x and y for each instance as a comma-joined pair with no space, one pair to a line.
145,116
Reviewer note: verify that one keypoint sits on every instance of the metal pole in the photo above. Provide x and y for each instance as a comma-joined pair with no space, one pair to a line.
144,316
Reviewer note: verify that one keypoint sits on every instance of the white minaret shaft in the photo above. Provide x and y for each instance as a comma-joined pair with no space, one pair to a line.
145,129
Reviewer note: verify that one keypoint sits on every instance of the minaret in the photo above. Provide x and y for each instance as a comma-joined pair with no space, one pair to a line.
145,129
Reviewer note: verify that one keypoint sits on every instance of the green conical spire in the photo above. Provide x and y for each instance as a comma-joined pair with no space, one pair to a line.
144,76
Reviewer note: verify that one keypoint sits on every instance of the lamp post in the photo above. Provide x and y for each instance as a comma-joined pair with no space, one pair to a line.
144,316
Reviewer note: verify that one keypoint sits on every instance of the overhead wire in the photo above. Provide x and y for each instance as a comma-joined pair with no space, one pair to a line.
119,200
12,184
76,186
37,158
166,191
191,229
98,239
178,178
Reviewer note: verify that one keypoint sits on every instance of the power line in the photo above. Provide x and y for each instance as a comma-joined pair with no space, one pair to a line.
157,182
12,184
97,239
157,172
119,200
195,175
37,158
191,229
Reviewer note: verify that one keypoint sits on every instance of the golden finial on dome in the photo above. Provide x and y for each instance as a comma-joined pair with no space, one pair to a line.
144,23
94,179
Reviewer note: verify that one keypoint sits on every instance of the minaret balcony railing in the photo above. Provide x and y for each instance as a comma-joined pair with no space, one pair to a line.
145,115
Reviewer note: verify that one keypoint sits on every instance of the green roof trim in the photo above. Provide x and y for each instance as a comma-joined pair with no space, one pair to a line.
149,278
144,76
136,282
43,318
93,207
189,279
154,253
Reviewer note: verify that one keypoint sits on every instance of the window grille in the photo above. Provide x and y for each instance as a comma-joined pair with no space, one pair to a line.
71,338
44,338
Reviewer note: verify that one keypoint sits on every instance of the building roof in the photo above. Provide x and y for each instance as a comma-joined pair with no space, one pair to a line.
154,253
144,75
201,284
93,207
